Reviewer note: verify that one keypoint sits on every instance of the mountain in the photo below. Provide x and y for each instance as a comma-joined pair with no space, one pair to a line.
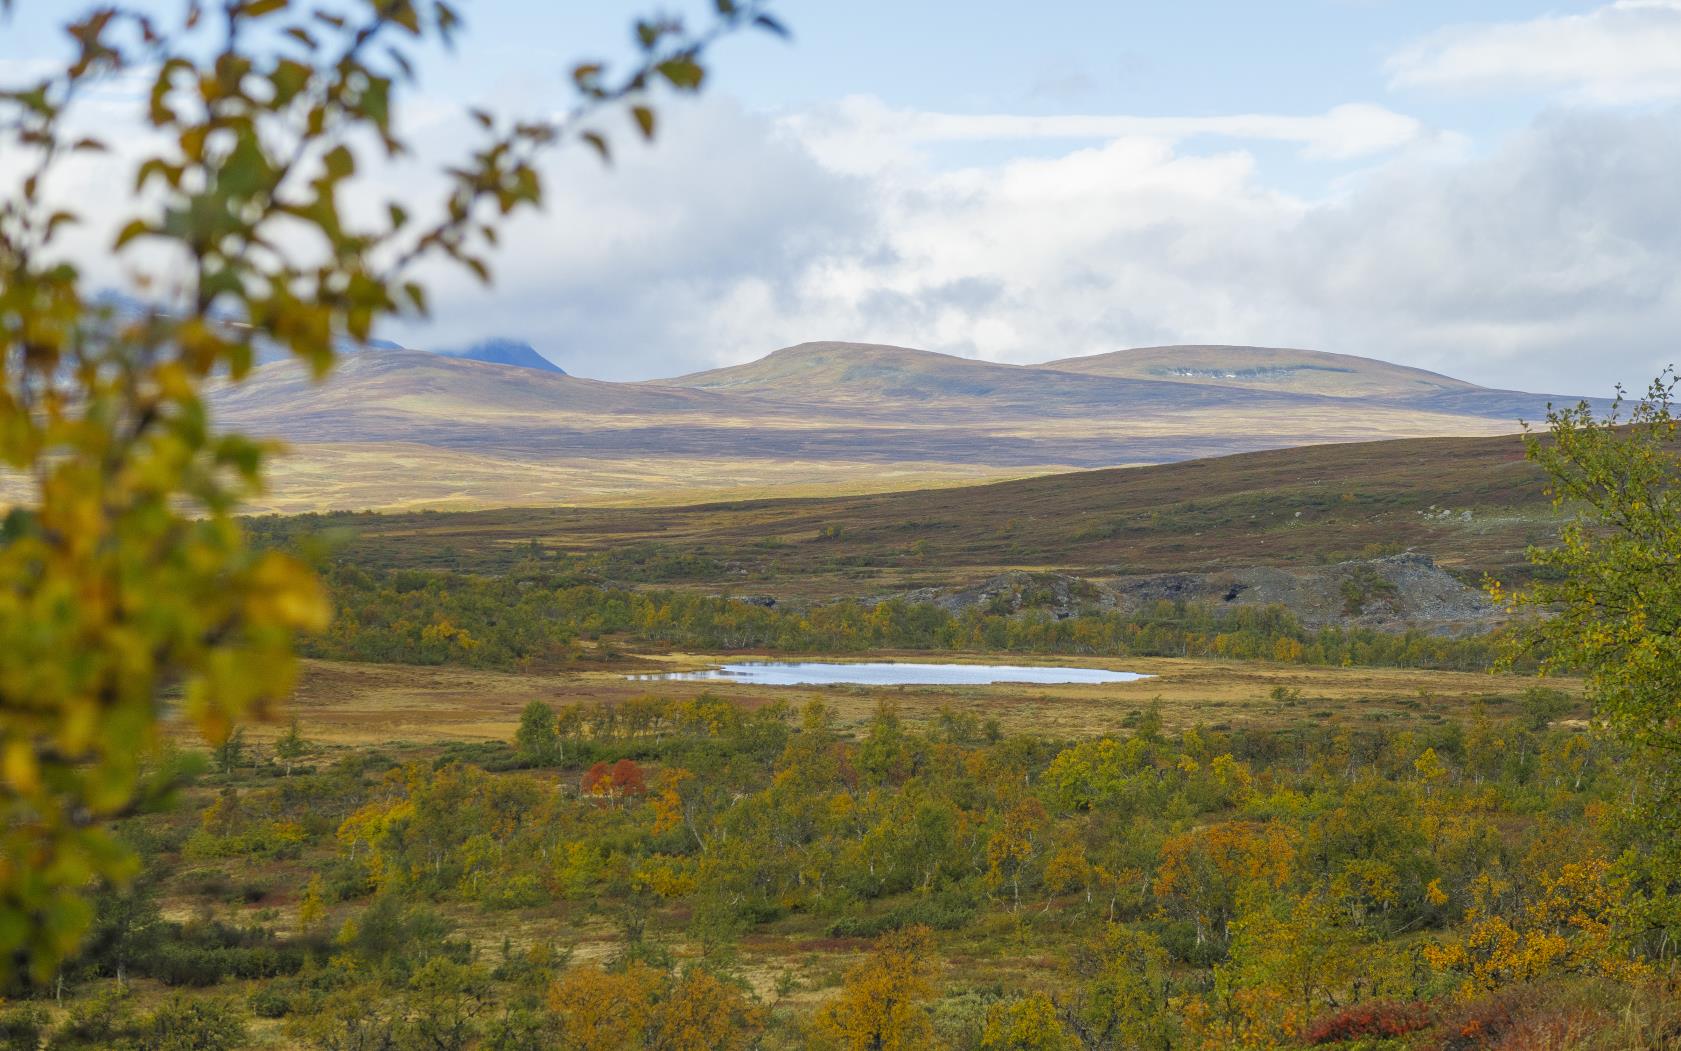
1266,368
427,394
857,369
1312,372
505,352
869,376
403,428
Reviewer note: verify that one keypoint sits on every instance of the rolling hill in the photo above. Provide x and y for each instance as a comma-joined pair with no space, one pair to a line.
396,428
1267,368
869,375
1315,373
1472,504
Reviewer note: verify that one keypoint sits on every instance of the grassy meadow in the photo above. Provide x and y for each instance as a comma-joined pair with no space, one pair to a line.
344,703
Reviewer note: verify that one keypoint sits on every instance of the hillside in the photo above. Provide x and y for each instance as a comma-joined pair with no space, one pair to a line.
437,390
396,428
1266,368
867,374
1471,504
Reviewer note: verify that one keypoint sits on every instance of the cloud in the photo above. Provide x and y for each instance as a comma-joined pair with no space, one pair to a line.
1627,51
1549,262
656,263
860,131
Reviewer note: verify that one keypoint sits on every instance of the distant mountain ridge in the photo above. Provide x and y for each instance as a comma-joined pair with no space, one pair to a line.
1266,368
873,374
492,426
505,352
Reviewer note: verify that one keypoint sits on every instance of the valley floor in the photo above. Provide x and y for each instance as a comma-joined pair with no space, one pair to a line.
382,704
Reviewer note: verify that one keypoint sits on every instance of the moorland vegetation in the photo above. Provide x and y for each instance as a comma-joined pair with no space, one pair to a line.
693,872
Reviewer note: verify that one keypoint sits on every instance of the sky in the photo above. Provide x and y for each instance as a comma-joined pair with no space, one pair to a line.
1487,190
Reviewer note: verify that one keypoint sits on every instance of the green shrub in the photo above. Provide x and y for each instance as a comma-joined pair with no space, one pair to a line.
270,1001
194,1025
22,1028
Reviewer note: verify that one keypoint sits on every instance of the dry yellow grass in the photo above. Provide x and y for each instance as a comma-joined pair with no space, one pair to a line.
315,476
396,476
361,704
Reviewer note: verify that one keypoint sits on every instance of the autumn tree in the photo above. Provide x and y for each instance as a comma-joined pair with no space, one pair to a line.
1289,959
601,1010
883,1002
1028,1023
700,1012
1610,588
312,909
1581,919
125,575
1014,847
614,781
1121,1000
1202,873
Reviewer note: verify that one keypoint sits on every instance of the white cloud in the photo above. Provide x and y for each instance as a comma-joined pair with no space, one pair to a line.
860,132
1627,51
646,266
1547,263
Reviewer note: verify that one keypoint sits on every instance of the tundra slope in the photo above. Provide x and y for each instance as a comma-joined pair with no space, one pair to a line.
1383,534
405,429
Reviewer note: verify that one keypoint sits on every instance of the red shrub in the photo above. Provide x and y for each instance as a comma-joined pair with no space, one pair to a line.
1377,1018
628,779
623,778
595,780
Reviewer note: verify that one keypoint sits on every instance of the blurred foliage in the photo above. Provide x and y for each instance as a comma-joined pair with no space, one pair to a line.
126,584
1608,598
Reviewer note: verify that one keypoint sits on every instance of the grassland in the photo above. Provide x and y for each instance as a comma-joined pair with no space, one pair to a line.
1474,504
408,476
379,704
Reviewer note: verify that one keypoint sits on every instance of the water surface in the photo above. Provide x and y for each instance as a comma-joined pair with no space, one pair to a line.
890,673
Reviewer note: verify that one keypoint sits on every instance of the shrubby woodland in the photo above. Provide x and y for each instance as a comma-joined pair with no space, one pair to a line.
665,874
533,619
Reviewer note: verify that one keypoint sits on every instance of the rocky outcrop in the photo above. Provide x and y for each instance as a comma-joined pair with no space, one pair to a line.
1398,593
1059,594
1395,593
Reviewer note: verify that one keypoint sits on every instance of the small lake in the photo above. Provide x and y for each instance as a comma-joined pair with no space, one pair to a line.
890,673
